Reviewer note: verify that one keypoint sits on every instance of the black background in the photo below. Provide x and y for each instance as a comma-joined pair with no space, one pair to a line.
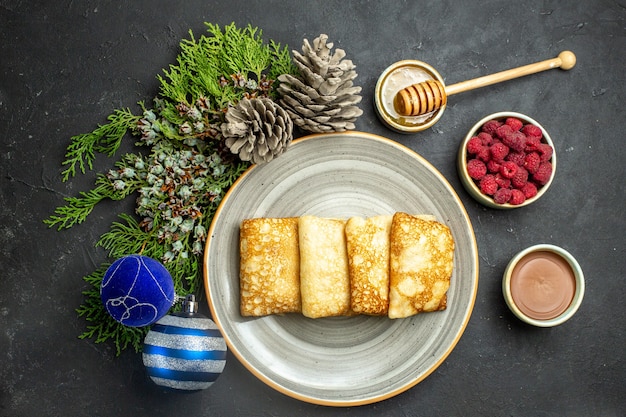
66,65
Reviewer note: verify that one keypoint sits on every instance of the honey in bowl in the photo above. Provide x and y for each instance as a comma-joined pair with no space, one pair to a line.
397,77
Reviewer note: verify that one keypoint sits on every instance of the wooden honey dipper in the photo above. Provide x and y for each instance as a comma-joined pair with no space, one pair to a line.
427,96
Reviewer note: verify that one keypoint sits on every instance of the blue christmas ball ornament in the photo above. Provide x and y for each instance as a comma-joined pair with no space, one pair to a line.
184,351
137,290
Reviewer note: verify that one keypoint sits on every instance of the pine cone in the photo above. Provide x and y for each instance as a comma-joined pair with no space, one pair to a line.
257,129
323,98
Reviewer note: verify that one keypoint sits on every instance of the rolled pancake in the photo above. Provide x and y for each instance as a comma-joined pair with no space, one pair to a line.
420,260
324,279
269,275
367,242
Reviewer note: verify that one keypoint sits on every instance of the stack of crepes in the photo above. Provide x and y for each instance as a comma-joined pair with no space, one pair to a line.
389,265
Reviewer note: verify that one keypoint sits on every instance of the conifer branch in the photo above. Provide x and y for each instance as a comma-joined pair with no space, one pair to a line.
186,173
104,139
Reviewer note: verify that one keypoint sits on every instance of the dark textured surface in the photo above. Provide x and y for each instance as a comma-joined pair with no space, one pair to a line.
65,65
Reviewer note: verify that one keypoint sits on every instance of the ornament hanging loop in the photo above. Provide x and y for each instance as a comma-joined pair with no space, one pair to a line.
188,303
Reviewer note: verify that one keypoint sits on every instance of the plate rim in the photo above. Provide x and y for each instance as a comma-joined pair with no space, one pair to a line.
368,400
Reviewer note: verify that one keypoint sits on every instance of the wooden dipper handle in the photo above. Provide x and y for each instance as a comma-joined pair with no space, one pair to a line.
430,95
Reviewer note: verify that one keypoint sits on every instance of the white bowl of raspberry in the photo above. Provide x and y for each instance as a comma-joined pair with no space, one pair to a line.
506,161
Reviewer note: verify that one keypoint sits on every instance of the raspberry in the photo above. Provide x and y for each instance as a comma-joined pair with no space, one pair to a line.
515,141
529,189
520,178
502,181
532,143
503,131
532,130
531,162
493,166
545,151
514,122
517,197
517,157
491,126
488,184
474,145
543,173
510,161
508,169
484,154
499,151
476,168
502,196
486,138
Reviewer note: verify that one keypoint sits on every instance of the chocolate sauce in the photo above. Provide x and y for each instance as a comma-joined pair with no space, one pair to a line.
542,285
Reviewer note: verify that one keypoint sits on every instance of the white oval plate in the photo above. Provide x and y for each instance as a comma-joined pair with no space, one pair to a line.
340,361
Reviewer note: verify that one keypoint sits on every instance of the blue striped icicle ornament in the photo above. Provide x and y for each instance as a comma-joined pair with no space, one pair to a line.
184,351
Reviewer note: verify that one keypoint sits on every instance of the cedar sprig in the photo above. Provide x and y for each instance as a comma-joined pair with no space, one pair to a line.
181,180
223,64
78,208
104,139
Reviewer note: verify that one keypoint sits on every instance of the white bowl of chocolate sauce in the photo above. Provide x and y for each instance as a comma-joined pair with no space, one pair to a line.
543,285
